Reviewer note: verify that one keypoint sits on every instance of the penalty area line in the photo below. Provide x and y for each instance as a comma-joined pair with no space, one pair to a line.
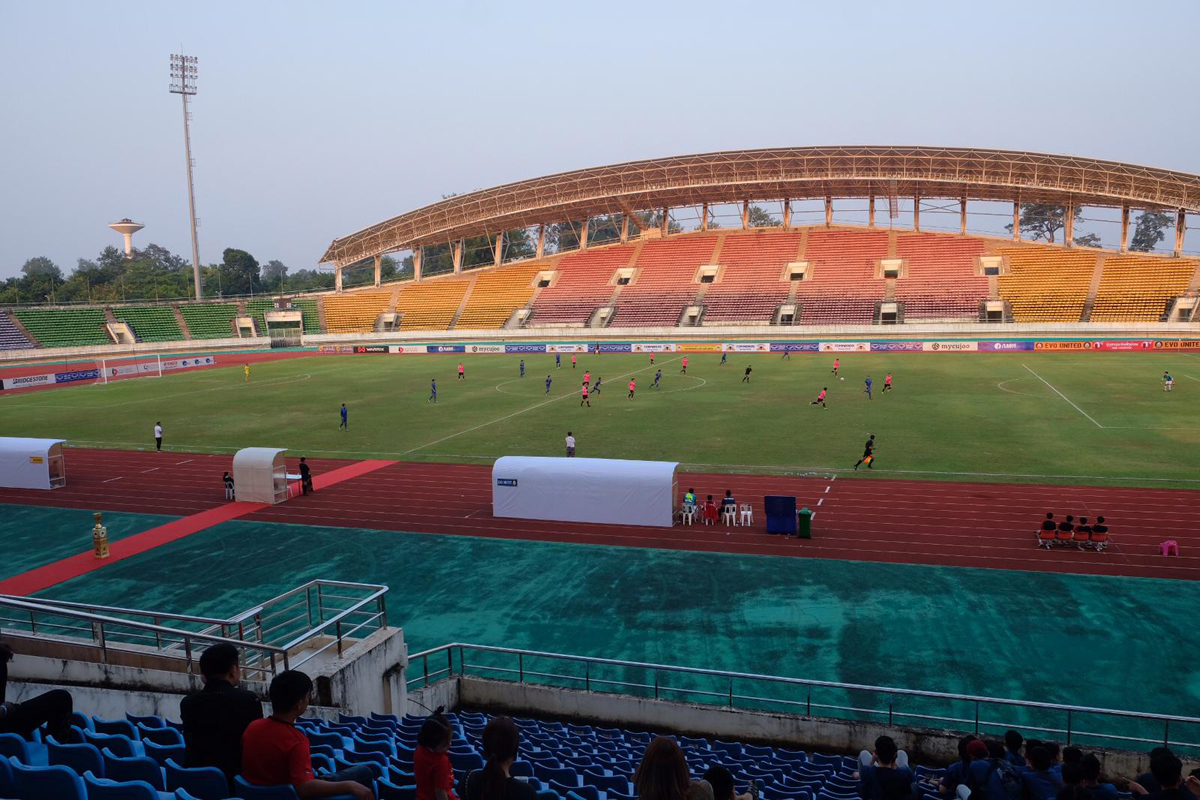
1063,396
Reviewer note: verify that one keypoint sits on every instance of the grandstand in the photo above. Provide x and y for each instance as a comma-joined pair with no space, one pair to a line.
751,284
665,282
310,316
356,312
150,323
843,287
941,279
584,282
11,337
209,320
497,294
65,327
430,306
1046,284
1140,288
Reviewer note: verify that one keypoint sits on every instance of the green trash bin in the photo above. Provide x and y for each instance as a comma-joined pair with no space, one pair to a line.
804,523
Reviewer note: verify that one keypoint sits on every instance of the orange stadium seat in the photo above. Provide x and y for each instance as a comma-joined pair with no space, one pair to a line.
843,288
355,312
940,280
1140,288
583,285
497,294
430,305
664,285
751,284
1046,284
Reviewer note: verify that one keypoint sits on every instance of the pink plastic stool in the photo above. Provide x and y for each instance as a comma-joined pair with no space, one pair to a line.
1169,548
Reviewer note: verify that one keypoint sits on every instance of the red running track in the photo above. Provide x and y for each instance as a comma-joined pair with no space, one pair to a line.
875,519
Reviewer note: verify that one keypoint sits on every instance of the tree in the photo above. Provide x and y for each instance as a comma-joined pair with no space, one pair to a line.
42,268
1150,230
1088,240
274,274
239,273
761,218
1041,221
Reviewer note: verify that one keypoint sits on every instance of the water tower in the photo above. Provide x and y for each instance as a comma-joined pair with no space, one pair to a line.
127,228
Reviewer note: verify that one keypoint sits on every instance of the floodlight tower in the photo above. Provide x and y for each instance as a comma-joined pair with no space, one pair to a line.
127,228
183,83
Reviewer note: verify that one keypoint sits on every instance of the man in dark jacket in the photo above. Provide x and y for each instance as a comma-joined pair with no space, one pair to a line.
52,708
215,717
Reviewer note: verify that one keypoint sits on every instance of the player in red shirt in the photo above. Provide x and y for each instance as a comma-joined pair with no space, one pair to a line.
632,386
684,370
275,752
821,398
587,376
584,398
887,383
462,372
837,362
432,770
573,359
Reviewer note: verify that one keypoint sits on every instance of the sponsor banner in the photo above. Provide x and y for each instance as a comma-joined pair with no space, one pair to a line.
1177,344
76,375
335,349
407,349
1123,344
370,348
445,348
950,347
999,347
188,363
896,347
525,348
845,347
1062,345
128,369
506,481
614,347
795,347
700,347
485,348
747,347
570,348
25,381
654,347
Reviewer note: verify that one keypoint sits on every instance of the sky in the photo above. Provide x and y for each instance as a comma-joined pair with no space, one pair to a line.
314,120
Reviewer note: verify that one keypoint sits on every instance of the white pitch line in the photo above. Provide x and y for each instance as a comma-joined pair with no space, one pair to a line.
1063,396
110,480
822,500
152,469
522,411
827,490
188,461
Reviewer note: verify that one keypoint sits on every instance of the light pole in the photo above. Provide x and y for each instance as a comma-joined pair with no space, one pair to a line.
183,83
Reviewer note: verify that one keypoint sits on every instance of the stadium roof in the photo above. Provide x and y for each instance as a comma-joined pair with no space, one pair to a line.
795,173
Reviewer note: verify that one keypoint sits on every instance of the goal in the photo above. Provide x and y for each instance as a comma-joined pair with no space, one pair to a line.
116,369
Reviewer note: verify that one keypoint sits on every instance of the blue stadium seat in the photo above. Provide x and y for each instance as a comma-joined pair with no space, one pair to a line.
322,764
115,727
334,740
31,754
161,753
376,768
521,769
384,746
137,768
584,792
386,717
82,721
149,721
465,762
357,757
38,783
281,792
565,776
105,789
389,790
7,786
121,746
162,735
615,783
204,783
79,757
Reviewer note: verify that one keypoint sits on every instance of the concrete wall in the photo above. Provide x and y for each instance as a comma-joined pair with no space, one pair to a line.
924,745
142,348
369,676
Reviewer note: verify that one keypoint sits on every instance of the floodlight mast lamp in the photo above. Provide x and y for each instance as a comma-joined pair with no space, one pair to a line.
183,83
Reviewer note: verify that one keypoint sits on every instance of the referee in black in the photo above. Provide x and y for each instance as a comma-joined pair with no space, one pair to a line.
305,477
868,453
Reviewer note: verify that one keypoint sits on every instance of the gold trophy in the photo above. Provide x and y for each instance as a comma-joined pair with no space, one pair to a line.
99,538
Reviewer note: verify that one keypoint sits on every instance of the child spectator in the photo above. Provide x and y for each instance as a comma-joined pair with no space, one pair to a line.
431,765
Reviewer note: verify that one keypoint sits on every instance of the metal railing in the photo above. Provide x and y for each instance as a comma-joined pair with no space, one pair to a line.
754,692
283,633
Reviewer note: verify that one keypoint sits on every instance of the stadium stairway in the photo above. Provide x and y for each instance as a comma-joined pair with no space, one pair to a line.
13,335
144,754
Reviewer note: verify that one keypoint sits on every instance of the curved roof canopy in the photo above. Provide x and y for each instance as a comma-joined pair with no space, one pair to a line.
796,172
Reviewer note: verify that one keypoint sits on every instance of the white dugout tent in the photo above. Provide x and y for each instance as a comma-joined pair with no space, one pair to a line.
32,463
260,474
585,490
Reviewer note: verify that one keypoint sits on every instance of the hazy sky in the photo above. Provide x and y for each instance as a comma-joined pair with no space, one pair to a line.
316,119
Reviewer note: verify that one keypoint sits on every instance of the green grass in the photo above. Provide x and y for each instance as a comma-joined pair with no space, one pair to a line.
953,416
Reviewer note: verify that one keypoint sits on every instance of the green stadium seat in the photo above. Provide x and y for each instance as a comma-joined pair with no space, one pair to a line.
209,320
65,327
150,323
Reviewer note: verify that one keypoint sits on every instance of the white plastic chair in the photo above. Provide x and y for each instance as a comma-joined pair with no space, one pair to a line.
687,514
729,515
747,514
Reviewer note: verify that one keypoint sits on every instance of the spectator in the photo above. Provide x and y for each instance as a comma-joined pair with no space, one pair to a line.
52,709
228,480
1099,534
956,773
158,436
215,717
1073,791
1090,765
1039,782
1066,529
1013,739
884,774
689,497
699,790
1083,536
501,741
1047,525
710,511
1147,780
728,501
1167,773
274,752
1072,773
570,445
1055,761
663,773
1003,778
433,773
983,764
1072,754
721,781
305,477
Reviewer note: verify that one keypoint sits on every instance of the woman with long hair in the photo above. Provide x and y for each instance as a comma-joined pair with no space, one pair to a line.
501,741
663,773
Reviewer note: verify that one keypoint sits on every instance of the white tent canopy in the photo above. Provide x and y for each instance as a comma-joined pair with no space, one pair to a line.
260,474
32,463
585,490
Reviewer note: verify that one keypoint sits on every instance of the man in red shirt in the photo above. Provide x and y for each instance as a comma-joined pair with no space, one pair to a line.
275,752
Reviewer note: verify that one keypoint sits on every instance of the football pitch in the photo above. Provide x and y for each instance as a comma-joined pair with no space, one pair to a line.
1037,417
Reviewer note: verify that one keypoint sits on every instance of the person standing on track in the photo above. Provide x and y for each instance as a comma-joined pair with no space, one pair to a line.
584,399
632,386
868,453
887,383
432,391
867,384
158,436
345,423
746,377
821,398
305,477
462,372
547,383
570,445
246,369
837,362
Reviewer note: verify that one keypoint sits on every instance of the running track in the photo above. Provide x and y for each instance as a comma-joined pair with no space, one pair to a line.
894,521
